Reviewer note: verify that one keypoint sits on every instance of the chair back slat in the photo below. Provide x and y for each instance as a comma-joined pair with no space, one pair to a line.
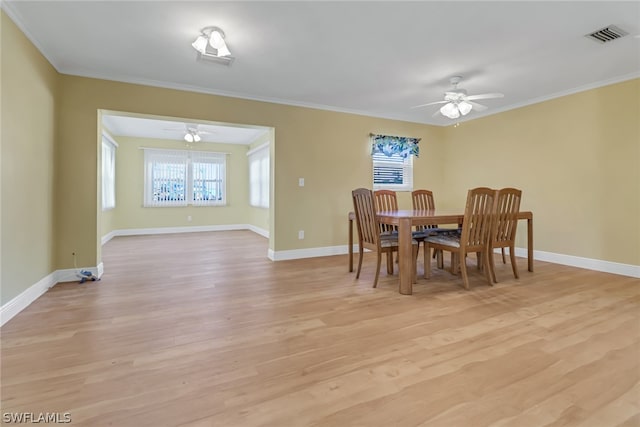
423,200
478,213
507,208
386,200
367,224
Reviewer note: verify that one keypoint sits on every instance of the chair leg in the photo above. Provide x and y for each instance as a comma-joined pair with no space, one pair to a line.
360,254
463,269
488,270
491,264
389,262
427,258
414,270
427,265
504,260
514,265
375,280
439,258
454,263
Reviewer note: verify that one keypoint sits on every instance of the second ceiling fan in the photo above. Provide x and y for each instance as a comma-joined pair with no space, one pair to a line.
191,132
457,103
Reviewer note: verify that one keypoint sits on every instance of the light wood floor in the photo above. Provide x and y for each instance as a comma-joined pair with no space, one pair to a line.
201,329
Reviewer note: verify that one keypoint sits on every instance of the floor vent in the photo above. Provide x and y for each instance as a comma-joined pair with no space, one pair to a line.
607,34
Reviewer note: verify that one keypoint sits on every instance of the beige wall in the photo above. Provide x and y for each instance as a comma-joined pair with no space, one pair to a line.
306,141
29,89
129,212
577,160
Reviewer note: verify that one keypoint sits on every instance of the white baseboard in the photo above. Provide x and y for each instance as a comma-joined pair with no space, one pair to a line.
311,252
581,262
187,229
570,260
72,274
172,230
22,301
258,230
110,235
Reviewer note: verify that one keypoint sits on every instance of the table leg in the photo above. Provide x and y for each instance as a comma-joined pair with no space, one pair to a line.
405,253
350,245
530,243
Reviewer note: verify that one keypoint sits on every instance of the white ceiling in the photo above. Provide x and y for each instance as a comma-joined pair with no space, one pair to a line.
373,58
147,127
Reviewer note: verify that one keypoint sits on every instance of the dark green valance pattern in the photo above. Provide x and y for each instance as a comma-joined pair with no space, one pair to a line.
390,145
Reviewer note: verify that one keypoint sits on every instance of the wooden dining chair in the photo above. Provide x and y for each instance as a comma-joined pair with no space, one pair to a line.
505,222
423,200
386,200
474,237
369,235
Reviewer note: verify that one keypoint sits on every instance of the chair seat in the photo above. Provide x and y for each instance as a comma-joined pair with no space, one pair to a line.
388,242
449,239
423,234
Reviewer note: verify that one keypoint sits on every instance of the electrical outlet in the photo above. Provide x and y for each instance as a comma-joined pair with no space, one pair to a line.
301,182
188,218
301,234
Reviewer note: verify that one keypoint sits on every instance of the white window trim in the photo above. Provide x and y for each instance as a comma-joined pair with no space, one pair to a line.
407,175
108,141
261,151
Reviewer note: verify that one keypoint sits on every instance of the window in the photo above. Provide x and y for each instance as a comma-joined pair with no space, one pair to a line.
181,178
259,176
108,172
393,161
392,172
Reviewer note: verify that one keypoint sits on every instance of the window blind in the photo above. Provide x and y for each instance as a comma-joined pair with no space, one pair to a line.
392,172
165,178
259,176
207,178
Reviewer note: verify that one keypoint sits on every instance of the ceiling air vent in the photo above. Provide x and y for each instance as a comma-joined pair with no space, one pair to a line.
607,34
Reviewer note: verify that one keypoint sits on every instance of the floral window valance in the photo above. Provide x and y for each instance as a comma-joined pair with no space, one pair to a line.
390,145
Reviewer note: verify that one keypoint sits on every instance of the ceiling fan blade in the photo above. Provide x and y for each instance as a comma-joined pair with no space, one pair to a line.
437,113
430,103
485,96
477,107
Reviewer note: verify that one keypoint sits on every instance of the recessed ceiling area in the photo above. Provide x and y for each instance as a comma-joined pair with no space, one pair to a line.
121,125
375,58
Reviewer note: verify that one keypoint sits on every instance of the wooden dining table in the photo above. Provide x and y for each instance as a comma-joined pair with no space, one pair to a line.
406,219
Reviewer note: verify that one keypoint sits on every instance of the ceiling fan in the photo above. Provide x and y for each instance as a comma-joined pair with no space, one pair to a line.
192,133
457,103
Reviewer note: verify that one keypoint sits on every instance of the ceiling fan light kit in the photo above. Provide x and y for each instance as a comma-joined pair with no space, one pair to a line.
211,46
457,103
192,136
